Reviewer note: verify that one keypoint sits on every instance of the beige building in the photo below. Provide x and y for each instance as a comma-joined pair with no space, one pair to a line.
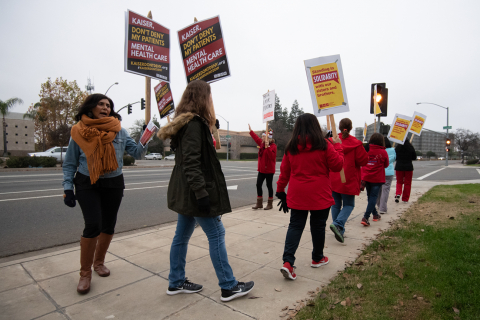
20,135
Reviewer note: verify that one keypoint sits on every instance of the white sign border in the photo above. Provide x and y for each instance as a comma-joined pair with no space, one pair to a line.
398,115
413,118
271,93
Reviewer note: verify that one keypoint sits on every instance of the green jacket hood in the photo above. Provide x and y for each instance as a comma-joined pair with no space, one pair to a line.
171,128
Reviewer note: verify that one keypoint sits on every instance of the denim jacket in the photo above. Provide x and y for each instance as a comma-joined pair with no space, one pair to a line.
75,158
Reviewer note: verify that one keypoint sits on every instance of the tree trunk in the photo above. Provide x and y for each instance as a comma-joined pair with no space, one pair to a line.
5,152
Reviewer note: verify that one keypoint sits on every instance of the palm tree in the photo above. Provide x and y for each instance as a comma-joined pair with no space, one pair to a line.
40,117
5,106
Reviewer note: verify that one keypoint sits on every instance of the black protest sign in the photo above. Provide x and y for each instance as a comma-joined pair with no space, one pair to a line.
164,98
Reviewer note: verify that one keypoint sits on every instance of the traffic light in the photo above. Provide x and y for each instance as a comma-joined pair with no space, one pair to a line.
381,98
448,142
129,108
142,104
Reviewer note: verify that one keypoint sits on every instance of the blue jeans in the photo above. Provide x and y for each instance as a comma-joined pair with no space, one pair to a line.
340,215
372,193
213,228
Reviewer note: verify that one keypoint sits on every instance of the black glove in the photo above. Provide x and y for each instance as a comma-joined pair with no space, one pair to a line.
329,134
204,204
283,201
144,127
69,198
217,124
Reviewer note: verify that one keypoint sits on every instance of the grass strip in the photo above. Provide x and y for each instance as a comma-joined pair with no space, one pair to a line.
426,266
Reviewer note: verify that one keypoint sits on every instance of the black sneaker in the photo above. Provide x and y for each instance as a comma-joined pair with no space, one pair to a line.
241,289
186,287
397,198
337,233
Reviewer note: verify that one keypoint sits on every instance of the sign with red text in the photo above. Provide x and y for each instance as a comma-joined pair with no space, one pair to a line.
147,47
399,129
269,106
417,123
327,85
164,98
148,133
203,51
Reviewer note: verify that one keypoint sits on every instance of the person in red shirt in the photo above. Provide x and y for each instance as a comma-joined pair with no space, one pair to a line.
308,159
267,158
374,174
344,193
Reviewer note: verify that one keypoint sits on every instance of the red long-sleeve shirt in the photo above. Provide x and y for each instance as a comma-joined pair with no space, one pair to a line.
267,157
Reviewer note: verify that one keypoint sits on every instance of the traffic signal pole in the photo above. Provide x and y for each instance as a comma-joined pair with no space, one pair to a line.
446,157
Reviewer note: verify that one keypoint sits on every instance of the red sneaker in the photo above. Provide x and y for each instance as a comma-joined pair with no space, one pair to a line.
320,263
287,271
365,222
376,217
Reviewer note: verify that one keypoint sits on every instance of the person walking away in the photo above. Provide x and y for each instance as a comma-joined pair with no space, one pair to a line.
267,158
308,159
344,193
384,191
374,175
93,164
404,170
198,192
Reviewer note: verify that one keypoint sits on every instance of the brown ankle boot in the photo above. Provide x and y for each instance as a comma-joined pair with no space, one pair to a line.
103,243
87,251
259,204
269,204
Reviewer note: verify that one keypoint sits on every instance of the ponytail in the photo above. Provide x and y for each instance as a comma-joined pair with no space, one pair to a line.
345,126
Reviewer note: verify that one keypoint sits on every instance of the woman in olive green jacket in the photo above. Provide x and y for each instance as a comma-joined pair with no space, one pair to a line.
198,192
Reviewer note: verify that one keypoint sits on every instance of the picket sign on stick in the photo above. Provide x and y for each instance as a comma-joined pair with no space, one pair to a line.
328,123
335,135
168,119
411,139
148,88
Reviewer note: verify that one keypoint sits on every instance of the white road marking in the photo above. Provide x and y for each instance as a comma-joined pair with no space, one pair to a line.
232,187
429,174
478,170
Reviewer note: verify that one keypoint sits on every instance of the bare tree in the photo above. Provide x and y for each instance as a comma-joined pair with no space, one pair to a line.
465,140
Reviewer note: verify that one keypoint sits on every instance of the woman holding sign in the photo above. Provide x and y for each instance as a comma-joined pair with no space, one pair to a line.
198,192
267,158
305,168
344,193
404,170
93,164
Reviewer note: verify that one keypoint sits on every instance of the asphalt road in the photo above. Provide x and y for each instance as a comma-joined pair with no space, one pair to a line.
33,215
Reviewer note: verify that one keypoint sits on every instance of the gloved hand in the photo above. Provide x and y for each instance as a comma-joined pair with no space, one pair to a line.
69,198
144,127
217,124
204,204
283,201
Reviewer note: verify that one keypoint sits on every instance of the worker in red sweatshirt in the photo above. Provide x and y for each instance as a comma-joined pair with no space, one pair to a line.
267,157
374,174
344,193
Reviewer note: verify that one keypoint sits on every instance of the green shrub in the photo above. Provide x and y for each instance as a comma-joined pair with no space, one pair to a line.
128,161
167,153
472,161
248,156
223,155
25,162
1,161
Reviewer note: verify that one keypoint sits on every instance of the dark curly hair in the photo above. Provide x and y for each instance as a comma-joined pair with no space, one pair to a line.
91,102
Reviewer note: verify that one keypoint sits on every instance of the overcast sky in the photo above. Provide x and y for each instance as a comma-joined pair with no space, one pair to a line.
426,51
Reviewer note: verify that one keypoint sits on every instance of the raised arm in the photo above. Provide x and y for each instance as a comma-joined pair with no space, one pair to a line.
134,149
257,139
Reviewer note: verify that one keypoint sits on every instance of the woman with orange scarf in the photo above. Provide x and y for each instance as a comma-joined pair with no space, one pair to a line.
93,164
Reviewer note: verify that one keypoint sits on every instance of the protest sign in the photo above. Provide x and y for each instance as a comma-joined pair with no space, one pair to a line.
418,123
147,47
327,85
203,51
268,106
164,98
365,132
148,133
399,129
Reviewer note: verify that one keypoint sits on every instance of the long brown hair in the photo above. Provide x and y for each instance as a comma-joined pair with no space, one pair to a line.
306,126
345,127
377,139
196,99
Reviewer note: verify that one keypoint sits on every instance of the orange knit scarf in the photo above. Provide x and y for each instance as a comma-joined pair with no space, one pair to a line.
94,137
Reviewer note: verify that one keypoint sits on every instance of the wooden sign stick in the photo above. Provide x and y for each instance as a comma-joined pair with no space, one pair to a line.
168,119
411,139
335,135
148,89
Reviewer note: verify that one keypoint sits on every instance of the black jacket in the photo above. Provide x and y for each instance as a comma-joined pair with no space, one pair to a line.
197,172
405,155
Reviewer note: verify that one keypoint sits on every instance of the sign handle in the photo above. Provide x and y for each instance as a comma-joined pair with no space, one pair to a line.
334,132
168,119
411,139
148,89
328,123
393,145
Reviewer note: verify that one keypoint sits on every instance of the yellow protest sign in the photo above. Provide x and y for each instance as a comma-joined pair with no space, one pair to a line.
365,131
327,86
399,129
418,123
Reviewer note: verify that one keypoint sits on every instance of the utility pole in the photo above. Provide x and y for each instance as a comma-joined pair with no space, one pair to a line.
148,89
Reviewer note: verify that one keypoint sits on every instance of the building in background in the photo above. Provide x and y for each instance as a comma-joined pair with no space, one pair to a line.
242,145
20,135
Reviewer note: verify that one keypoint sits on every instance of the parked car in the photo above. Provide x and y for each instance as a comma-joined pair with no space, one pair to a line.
419,157
170,157
441,158
153,156
52,152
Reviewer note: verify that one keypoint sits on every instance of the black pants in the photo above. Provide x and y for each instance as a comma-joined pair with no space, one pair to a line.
298,219
99,203
260,178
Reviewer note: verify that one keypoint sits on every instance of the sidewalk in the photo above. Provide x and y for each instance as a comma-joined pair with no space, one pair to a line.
44,286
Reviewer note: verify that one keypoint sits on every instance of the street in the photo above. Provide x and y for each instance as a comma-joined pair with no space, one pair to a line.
34,216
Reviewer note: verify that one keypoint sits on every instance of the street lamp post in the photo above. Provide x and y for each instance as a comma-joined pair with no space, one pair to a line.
110,87
446,152
228,131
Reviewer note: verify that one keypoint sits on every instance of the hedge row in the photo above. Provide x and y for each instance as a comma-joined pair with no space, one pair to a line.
128,161
26,162
248,156
472,161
